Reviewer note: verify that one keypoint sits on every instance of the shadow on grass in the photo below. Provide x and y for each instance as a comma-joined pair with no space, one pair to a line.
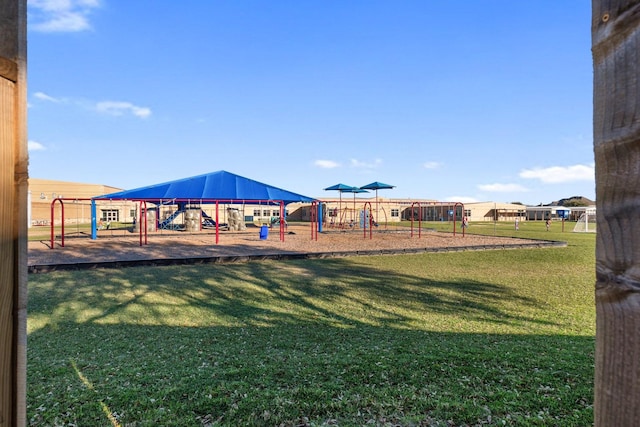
333,291
296,343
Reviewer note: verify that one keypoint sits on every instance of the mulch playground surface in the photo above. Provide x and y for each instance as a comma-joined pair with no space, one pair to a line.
123,249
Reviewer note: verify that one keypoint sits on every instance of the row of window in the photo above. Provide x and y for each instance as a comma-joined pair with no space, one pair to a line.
114,214
265,212
334,212
109,215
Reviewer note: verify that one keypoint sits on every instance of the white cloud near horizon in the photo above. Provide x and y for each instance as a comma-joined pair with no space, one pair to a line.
503,188
355,163
60,16
326,164
431,165
44,97
120,108
35,146
560,174
114,108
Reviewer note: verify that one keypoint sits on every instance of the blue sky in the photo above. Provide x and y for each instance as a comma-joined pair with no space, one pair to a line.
484,100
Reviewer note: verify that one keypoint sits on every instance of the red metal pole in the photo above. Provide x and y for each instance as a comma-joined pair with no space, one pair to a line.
146,223
143,216
370,221
412,220
141,222
53,202
62,222
454,217
419,219
313,214
217,225
51,225
282,219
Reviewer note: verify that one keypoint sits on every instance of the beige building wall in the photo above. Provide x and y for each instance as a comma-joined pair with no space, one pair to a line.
42,192
337,210
493,211
340,211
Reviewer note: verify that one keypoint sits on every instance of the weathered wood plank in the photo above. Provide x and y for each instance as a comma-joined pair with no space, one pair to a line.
616,128
8,69
13,212
7,255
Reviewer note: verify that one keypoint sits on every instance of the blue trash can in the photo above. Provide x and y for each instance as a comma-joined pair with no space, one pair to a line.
264,232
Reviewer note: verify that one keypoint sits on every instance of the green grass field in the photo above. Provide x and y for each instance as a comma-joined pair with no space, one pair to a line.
446,339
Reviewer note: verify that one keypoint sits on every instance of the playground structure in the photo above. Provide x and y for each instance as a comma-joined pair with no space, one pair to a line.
348,216
362,217
185,200
236,222
194,216
163,216
185,218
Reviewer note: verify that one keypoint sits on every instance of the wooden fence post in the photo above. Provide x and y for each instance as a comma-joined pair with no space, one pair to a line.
13,212
615,29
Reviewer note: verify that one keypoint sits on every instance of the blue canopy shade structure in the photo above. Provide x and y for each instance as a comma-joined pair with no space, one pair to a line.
377,186
221,185
342,188
355,190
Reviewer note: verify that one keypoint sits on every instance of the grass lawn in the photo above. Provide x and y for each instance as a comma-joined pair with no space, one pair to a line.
444,339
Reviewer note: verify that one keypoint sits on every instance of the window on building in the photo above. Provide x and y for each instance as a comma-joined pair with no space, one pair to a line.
265,212
395,213
256,212
467,212
275,213
132,213
109,215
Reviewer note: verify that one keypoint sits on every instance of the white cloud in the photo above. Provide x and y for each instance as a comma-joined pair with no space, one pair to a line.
503,188
119,108
44,97
60,15
431,165
560,174
114,108
355,163
35,146
326,164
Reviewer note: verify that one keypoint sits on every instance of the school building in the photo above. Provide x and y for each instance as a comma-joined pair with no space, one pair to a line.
335,210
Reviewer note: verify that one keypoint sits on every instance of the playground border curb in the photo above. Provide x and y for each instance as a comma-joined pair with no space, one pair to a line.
230,259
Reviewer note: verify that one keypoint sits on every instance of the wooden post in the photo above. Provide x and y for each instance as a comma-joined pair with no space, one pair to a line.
13,212
615,33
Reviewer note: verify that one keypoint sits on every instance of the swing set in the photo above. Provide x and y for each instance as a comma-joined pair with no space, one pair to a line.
191,211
